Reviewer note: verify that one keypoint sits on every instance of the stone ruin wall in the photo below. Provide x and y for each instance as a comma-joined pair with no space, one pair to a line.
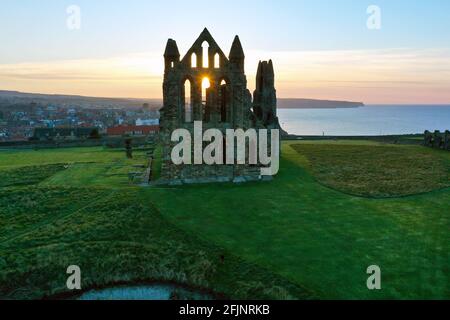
228,105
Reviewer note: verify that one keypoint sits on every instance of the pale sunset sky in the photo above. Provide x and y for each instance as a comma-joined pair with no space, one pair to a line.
321,49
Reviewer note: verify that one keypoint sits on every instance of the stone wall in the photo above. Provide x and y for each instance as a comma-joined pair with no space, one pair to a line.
227,105
437,140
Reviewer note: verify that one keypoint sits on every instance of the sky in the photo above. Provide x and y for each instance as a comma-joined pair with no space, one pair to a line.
321,49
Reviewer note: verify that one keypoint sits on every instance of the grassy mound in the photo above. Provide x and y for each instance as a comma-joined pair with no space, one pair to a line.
377,171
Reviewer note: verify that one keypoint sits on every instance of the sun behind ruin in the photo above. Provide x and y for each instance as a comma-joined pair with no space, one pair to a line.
206,85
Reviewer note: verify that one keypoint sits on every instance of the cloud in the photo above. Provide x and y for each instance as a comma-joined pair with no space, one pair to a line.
125,76
374,76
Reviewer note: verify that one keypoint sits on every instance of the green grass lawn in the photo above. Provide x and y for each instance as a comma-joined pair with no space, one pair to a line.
19,158
294,237
114,237
156,164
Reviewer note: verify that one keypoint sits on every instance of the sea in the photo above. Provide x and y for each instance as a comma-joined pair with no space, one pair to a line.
370,120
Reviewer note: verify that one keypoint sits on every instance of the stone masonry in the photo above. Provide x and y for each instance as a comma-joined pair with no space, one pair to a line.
226,104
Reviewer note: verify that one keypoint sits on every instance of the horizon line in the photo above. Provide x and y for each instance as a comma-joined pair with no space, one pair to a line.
278,98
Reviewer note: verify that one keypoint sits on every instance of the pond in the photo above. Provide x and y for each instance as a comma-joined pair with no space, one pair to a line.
145,292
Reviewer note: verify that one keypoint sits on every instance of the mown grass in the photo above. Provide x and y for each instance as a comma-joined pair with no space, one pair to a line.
157,163
289,238
321,238
20,158
103,167
377,171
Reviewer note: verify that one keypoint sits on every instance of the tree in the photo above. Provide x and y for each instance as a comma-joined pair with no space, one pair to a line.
129,148
94,134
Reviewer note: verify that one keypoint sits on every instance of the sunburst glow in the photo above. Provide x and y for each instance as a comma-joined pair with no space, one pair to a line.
205,85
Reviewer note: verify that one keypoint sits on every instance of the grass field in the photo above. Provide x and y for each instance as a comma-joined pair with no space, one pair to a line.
303,235
377,171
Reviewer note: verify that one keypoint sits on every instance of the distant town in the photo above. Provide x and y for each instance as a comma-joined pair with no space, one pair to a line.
25,117
44,117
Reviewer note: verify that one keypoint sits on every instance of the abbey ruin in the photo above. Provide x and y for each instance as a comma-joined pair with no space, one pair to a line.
206,85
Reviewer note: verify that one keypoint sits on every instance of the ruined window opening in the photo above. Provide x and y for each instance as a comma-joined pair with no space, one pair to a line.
205,48
172,64
194,60
224,150
217,61
223,101
205,86
188,105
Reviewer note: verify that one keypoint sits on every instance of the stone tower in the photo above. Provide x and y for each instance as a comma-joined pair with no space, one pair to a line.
206,85
265,95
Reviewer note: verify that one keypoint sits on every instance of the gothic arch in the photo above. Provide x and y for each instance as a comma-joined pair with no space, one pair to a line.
188,99
194,60
224,94
217,64
205,55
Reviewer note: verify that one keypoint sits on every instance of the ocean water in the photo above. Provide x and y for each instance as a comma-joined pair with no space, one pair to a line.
370,120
